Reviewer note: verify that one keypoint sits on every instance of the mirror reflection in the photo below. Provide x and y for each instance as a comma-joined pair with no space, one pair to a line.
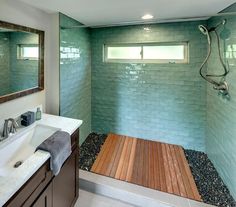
19,61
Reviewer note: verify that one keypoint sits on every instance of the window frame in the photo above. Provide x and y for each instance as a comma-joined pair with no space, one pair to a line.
157,61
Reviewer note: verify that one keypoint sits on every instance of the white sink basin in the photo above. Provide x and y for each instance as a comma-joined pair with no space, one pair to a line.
21,146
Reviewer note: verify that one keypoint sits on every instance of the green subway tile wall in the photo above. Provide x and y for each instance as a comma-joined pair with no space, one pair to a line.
164,102
221,113
75,74
4,63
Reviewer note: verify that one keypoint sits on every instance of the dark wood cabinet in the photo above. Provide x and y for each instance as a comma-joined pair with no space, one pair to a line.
46,198
64,184
45,190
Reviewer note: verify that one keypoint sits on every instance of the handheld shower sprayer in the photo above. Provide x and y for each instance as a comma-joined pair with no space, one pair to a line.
204,31
221,85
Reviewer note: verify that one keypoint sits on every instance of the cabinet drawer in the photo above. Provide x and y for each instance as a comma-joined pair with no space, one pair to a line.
25,196
45,199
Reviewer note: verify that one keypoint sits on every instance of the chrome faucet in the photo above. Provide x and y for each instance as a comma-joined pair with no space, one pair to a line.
7,130
14,125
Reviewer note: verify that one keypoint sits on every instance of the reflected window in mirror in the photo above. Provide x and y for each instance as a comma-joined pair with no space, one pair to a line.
27,52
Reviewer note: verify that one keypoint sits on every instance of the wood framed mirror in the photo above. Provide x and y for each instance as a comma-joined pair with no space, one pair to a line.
21,61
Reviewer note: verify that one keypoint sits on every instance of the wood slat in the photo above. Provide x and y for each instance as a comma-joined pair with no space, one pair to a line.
157,174
147,163
145,168
117,143
117,157
102,154
126,159
140,166
122,159
168,167
150,164
163,186
131,161
177,173
189,175
172,170
108,156
135,174
188,188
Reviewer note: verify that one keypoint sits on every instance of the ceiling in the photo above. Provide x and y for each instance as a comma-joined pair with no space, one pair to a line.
107,12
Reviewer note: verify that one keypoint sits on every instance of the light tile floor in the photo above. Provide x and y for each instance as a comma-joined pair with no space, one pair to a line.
87,199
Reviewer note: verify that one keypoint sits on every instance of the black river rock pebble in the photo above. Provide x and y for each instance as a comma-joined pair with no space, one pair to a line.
210,186
90,149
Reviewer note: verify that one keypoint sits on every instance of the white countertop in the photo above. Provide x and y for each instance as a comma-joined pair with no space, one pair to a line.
9,185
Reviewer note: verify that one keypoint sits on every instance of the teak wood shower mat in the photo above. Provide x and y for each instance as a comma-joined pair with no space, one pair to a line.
147,163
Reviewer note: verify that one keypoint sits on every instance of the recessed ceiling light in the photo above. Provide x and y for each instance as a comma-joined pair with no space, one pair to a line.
147,16
147,29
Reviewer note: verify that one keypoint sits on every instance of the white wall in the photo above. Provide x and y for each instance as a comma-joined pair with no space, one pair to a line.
19,13
52,76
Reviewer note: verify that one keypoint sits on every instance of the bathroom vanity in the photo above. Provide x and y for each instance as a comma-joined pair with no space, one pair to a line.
25,176
32,183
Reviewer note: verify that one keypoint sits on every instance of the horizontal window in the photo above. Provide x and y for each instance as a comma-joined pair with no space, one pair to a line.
147,53
126,53
28,52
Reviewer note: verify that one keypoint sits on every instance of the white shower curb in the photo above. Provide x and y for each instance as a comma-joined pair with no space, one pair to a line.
131,193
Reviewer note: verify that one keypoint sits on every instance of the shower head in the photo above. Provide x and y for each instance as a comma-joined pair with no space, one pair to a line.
225,34
223,22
